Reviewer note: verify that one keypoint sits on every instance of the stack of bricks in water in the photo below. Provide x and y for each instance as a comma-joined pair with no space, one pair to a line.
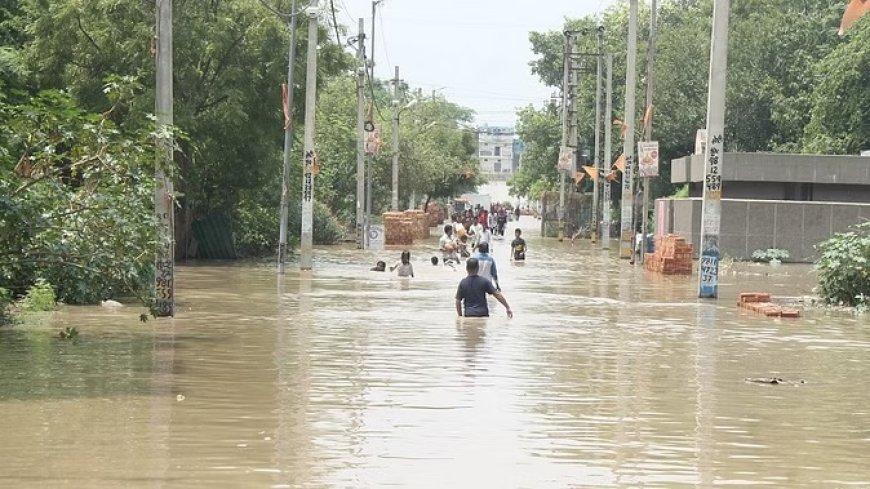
435,213
398,229
419,223
673,256
760,303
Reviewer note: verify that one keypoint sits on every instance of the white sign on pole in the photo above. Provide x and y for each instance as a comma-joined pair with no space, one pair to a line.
376,237
648,158
566,158
700,141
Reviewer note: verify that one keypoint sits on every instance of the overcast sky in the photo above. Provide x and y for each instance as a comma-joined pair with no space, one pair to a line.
475,52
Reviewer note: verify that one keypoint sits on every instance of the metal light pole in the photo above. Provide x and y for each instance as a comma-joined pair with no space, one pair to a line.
164,278
288,145
648,121
711,213
608,137
597,158
309,157
360,137
566,74
626,241
394,201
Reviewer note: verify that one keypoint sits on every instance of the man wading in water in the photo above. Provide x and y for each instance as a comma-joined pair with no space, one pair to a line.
473,289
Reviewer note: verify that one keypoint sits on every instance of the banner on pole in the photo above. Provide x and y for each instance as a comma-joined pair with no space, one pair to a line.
566,158
373,142
648,158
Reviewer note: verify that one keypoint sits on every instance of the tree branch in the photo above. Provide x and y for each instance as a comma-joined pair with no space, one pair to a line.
88,36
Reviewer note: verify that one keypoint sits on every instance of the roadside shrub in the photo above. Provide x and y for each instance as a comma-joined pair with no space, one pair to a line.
256,227
327,230
5,302
770,255
844,267
40,297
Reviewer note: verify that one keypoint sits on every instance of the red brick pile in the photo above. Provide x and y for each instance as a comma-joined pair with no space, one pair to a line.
760,303
419,223
673,256
436,214
398,229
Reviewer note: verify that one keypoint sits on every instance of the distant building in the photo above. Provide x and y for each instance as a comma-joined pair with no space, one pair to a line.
498,151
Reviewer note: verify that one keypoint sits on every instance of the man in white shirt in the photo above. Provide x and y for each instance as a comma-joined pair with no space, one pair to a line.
447,245
476,230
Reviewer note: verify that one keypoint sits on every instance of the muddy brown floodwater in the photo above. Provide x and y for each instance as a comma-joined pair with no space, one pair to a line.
606,377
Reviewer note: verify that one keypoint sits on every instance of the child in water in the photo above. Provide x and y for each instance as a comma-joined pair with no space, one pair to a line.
518,246
404,265
380,266
462,246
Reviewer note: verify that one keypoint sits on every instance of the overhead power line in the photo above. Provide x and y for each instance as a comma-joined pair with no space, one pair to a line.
335,22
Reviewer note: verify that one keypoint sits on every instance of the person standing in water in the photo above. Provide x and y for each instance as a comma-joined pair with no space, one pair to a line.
447,245
404,265
487,265
472,291
518,246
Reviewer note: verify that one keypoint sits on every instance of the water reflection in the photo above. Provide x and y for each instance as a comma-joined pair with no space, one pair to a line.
608,376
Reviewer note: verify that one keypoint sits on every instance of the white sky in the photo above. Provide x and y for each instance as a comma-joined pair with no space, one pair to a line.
476,52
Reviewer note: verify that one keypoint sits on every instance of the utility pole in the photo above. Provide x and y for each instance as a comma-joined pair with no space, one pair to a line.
648,121
394,202
288,145
711,213
164,277
309,160
597,157
369,177
567,64
375,4
360,135
626,241
608,137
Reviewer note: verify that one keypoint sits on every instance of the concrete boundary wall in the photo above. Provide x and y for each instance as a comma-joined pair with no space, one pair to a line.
749,225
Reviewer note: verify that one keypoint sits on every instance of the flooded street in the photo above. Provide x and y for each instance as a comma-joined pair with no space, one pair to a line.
607,376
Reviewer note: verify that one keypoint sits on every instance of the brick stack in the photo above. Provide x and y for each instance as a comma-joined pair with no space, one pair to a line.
436,214
419,223
398,229
673,256
760,303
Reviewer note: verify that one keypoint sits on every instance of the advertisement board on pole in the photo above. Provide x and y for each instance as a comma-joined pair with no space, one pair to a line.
566,158
648,158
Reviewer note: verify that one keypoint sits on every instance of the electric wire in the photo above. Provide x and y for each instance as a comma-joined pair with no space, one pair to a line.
335,22
278,12
384,37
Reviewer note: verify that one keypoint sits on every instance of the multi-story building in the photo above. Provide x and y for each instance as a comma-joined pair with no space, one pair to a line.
497,152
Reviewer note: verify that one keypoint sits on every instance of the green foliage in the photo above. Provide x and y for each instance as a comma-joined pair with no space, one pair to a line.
540,131
227,81
844,267
840,103
770,255
327,230
75,199
5,303
681,193
786,65
39,297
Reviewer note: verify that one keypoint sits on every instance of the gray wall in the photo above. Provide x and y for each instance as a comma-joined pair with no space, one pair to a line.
749,225
778,167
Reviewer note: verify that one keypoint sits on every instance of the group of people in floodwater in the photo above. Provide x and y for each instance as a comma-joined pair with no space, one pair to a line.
470,232
495,218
